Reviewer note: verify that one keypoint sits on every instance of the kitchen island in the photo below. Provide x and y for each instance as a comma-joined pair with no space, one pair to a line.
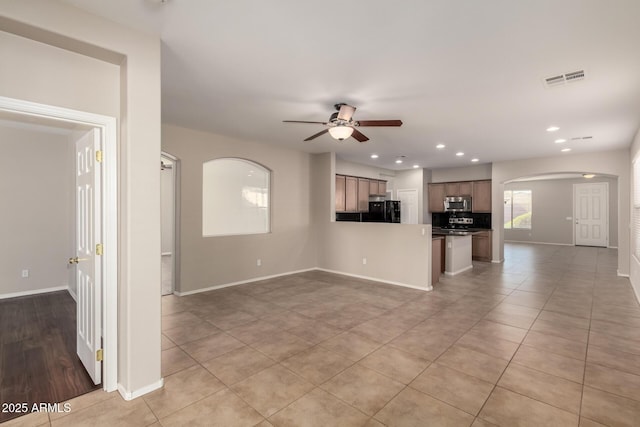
458,256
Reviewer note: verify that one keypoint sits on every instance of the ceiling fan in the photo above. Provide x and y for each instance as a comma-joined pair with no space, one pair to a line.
341,124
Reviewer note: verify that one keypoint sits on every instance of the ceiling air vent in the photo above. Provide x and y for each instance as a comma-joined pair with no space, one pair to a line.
561,79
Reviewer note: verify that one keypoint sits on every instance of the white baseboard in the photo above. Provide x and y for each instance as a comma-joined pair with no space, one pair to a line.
130,395
73,294
612,247
375,279
165,253
621,274
497,261
34,292
455,273
539,243
241,282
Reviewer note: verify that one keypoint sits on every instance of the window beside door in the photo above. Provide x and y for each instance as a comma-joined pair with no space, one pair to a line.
517,209
235,197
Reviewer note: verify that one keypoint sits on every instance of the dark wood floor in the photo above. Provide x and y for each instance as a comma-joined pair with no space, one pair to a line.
38,360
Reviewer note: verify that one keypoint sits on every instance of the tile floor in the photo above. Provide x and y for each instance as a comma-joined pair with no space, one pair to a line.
549,338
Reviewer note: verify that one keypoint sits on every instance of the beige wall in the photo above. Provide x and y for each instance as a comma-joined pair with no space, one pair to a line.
356,169
213,261
467,173
396,253
36,174
553,204
634,273
70,41
614,163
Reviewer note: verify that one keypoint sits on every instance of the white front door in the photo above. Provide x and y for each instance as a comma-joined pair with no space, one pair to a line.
408,206
87,258
592,214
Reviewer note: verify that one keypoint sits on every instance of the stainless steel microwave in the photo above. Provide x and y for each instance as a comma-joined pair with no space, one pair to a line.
457,204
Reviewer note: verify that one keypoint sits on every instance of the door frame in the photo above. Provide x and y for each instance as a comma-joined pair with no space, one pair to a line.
107,127
175,250
606,186
412,191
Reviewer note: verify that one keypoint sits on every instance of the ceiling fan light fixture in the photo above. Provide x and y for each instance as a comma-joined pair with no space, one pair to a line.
340,132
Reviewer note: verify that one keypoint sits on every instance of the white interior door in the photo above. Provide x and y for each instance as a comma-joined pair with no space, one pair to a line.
87,259
408,206
592,214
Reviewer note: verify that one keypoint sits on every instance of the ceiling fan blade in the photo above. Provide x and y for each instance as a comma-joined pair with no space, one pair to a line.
346,112
359,136
302,121
322,132
379,122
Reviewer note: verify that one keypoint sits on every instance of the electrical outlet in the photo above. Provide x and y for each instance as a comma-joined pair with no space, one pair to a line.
364,261
25,273
259,262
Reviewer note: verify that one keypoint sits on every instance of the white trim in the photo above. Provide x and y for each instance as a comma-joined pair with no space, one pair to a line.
375,279
108,138
621,274
497,261
612,247
455,273
241,282
130,395
33,292
165,253
73,294
541,243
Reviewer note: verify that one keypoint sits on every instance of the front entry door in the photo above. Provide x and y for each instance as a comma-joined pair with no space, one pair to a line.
88,250
592,214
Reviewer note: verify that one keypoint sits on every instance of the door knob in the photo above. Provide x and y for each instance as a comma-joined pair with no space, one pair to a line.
76,260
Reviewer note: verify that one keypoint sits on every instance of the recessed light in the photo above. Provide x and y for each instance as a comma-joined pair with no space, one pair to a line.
475,160
588,175
440,146
560,141
552,128
374,156
564,150
459,154
398,161
416,166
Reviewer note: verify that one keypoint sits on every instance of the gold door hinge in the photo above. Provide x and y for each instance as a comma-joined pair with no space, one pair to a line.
99,355
99,156
99,249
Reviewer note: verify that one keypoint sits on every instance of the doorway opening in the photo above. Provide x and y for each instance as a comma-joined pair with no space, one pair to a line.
103,341
169,212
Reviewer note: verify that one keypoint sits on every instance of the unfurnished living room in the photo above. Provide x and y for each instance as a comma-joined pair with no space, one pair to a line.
290,213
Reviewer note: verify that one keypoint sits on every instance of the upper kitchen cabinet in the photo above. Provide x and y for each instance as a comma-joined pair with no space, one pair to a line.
351,194
464,188
481,201
340,193
363,194
382,188
436,197
377,187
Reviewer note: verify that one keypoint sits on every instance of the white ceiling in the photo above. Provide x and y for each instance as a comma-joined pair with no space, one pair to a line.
467,73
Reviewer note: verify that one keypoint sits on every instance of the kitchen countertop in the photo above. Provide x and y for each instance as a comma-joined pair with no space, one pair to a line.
436,231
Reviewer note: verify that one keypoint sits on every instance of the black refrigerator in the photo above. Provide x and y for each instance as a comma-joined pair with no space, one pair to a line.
392,211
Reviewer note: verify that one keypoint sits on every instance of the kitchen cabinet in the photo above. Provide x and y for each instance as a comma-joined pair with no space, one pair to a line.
382,188
340,193
363,195
373,187
463,188
436,197
481,201
351,194
481,246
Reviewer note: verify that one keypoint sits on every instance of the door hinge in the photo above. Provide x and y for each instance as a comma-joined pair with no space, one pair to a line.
99,355
99,156
99,249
